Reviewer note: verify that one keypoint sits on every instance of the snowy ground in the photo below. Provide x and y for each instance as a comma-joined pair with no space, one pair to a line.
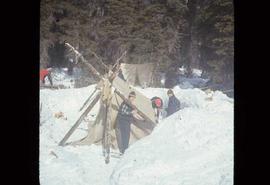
60,77
192,147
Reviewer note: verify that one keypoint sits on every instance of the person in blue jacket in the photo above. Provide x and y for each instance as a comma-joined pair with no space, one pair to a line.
174,103
123,120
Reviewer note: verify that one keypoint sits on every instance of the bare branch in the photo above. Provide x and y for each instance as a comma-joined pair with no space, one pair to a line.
99,58
93,70
123,54
117,61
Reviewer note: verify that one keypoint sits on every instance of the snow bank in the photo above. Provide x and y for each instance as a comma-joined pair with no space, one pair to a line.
193,146
197,72
68,165
60,77
67,101
74,166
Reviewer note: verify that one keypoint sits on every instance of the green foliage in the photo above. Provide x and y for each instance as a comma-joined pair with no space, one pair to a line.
149,32
215,28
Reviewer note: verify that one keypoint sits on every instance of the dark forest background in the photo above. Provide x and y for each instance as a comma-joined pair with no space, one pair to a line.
170,33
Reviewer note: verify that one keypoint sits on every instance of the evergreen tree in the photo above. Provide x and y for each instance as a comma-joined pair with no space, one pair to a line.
170,33
215,29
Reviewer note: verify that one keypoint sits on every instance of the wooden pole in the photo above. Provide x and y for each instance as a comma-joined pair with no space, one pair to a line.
99,59
92,69
73,128
107,129
117,61
106,134
88,99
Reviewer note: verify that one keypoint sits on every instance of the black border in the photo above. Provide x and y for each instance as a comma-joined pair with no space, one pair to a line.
20,84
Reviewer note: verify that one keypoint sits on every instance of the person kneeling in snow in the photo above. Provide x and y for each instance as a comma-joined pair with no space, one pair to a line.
174,103
123,121
45,73
157,105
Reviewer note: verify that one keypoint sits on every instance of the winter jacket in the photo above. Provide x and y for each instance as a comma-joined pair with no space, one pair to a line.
43,73
124,113
173,105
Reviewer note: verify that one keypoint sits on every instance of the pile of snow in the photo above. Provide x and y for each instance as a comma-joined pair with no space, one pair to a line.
192,82
195,81
182,70
196,72
193,146
60,76
68,165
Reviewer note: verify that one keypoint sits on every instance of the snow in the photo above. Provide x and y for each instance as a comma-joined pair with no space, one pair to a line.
72,164
192,146
60,77
196,72
182,70
192,82
195,81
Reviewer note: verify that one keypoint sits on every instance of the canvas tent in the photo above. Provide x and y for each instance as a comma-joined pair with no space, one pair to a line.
139,129
138,74
110,92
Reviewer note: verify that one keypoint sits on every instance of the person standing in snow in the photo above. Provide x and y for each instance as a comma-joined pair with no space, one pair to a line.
174,103
157,105
123,121
45,73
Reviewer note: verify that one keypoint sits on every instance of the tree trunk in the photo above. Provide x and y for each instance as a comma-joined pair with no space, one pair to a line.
192,5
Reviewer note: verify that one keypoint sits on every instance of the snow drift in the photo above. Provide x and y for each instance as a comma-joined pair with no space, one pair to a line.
193,146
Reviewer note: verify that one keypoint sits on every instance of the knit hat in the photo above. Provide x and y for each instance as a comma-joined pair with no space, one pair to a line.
170,91
132,94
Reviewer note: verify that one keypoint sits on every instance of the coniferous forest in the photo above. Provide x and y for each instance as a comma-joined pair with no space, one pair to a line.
170,33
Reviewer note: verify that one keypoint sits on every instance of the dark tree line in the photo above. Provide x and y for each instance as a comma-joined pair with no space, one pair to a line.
171,33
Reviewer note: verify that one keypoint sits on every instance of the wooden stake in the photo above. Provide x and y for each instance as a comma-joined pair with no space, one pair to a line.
88,98
106,102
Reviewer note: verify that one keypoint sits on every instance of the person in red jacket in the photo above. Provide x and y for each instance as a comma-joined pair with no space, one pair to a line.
45,73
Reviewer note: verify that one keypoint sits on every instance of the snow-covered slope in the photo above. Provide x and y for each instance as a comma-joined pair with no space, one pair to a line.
68,165
194,146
